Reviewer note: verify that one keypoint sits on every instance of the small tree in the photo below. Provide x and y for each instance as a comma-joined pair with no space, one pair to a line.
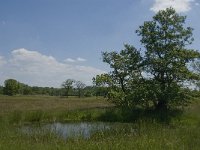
11,87
122,81
80,86
67,85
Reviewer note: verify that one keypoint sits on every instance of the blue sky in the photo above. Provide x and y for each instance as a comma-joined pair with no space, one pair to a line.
44,42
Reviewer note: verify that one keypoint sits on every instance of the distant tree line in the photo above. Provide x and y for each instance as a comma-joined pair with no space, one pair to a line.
70,87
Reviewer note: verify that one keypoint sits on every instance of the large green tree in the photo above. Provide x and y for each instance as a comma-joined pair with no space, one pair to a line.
157,78
166,39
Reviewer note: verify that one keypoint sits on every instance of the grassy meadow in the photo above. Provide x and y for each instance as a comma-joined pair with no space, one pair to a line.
136,129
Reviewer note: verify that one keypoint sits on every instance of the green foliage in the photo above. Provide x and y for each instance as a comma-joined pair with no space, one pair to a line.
196,68
100,84
24,89
89,91
77,88
35,90
80,86
11,87
166,57
67,85
1,90
124,77
158,77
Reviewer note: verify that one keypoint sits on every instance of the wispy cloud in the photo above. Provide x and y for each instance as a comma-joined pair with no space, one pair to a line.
178,5
69,60
34,68
80,59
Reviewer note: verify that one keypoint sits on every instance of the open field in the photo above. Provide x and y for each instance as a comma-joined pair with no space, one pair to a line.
134,130
28,109
45,103
28,103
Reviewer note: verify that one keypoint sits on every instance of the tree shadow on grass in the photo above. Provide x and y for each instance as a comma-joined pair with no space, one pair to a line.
134,115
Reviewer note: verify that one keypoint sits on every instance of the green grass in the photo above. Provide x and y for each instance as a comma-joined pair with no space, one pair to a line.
49,103
24,109
135,129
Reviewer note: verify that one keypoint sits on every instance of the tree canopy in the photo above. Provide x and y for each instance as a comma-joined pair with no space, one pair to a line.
157,78
80,86
67,85
11,87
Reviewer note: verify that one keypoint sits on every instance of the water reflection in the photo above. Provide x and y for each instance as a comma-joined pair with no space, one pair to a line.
69,130
77,129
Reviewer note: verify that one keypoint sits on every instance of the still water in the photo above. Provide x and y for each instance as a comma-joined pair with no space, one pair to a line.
69,130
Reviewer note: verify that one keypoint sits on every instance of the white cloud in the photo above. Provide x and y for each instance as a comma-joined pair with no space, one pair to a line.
178,5
31,56
80,59
197,4
34,68
69,60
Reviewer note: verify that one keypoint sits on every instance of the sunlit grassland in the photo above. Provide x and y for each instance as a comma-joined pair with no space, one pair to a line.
135,129
29,103
29,109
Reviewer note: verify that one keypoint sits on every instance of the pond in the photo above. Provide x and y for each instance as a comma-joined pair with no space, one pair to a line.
69,130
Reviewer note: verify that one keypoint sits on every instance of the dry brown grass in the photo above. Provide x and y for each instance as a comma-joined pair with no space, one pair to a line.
45,103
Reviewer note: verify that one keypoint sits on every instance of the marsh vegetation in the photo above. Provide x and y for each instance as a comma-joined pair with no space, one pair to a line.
119,128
